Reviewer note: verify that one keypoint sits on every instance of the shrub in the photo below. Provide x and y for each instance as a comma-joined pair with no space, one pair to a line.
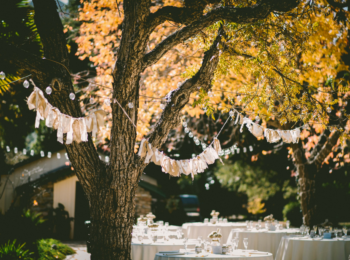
51,249
11,251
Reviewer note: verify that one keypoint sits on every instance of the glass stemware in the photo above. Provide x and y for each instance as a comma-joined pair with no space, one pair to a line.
315,229
287,224
307,229
200,239
345,230
320,231
245,243
185,245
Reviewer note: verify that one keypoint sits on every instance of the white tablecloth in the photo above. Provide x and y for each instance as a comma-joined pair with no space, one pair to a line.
295,248
147,250
238,255
194,230
263,240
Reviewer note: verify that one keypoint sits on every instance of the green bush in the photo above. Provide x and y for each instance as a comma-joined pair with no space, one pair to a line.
11,251
51,249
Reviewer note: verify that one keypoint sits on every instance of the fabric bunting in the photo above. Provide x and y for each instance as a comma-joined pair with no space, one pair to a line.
76,128
177,167
271,135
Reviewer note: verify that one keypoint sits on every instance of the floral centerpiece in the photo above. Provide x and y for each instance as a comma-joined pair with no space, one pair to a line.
150,218
269,222
141,221
215,215
215,237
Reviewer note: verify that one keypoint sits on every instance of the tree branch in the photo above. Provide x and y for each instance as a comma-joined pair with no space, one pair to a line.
326,149
337,4
323,139
228,13
178,98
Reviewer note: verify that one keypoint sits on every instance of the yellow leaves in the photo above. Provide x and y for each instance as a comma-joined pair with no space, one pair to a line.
255,206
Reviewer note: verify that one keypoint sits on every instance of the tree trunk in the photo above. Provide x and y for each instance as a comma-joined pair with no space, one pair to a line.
307,192
112,214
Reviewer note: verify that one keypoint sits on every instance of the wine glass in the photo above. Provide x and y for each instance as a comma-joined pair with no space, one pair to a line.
245,243
185,245
307,229
287,224
315,229
345,230
320,231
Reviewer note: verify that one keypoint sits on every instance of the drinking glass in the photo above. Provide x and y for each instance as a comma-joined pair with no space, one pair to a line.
140,235
345,230
185,245
166,224
225,220
160,223
315,229
320,231
287,224
307,229
200,239
206,221
247,224
178,234
245,243
259,223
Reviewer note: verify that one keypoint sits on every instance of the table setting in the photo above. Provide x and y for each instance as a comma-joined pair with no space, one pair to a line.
262,236
319,243
193,230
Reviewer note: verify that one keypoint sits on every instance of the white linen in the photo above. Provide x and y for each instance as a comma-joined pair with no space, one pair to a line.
295,248
194,230
238,255
147,250
263,240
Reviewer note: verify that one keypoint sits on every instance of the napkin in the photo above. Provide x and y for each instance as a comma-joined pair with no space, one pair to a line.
174,254
164,252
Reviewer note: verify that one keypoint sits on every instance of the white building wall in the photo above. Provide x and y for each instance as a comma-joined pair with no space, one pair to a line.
64,193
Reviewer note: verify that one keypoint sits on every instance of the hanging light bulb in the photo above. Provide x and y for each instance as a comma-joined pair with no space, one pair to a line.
197,142
195,139
24,151
244,149
42,153
231,113
58,156
237,149
72,96
91,100
106,159
187,130
250,148
48,90
15,150
130,105
32,152
190,135
49,155
66,154
204,146
2,75
329,110
232,150
257,118
184,124
26,84
227,151
162,106
8,149
239,98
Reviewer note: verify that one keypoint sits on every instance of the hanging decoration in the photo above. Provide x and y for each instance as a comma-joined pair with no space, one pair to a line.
271,135
177,167
75,128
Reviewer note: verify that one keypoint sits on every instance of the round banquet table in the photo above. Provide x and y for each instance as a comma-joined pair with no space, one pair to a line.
263,240
298,248
147,250
194,230
237,255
